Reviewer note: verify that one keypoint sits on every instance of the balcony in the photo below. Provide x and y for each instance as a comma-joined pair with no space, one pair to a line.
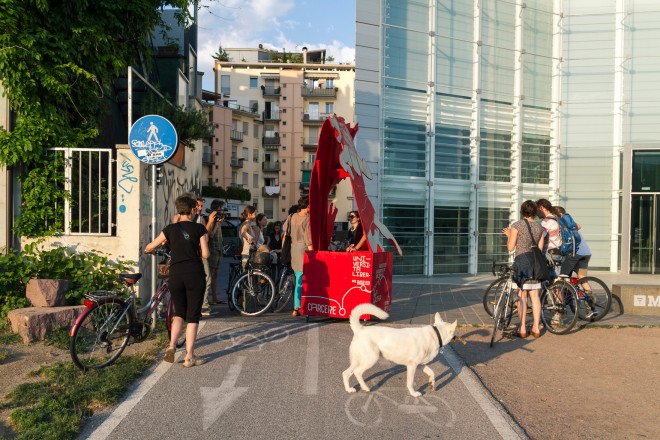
207,157
308,92
236,162
304,188
270,167
271,142
271,115
315,118
270,191
270,91
310,144
306,166
236,135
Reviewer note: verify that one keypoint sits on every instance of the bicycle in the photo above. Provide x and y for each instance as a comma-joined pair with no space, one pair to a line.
102,332
285,288
254,291
506,302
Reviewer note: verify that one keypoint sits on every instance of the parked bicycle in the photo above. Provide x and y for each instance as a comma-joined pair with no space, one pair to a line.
559,302
112,321
253,292
285,287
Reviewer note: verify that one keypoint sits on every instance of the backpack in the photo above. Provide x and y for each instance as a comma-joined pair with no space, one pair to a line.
570,237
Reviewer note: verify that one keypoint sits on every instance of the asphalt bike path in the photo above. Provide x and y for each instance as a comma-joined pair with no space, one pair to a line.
280,378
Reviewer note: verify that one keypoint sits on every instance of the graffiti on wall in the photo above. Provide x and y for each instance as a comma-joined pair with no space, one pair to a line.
126,180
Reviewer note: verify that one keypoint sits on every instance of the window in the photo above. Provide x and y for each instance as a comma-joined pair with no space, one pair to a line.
268,208
406,223
329,108
245,180
234,178
451,239
495,156
255,181
234,124
255,131
254,106
246,128
535,157
245,153
329,83
254,82
255,155
492,243
225,85
405,148
452,152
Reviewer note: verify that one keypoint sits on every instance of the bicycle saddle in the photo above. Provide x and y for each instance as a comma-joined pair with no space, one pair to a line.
130,278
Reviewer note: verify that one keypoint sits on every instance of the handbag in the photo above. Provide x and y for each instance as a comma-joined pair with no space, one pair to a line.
540,267
285,254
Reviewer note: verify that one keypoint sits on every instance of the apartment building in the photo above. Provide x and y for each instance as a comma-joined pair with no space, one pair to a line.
268,110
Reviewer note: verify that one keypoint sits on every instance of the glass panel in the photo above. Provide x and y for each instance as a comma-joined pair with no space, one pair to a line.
406,54
646,171
641,248
406,223
451,240
495,156
492,243
452,153
411,14
404,149
535,156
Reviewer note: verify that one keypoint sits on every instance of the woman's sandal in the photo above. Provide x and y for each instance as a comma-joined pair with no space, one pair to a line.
296,312
193,362
169,355
517,334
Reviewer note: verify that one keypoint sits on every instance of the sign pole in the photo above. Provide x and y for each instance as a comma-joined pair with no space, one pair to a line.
154,180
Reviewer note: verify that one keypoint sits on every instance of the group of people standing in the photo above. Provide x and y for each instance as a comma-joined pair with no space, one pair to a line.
196,247
525,233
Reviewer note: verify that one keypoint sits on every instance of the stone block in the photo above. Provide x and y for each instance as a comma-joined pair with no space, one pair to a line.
46,293
638,299
35,323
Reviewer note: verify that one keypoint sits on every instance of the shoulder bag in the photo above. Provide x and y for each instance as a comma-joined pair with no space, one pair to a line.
541,271
285,255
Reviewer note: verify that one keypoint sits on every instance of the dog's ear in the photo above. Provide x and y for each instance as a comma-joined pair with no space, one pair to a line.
438,319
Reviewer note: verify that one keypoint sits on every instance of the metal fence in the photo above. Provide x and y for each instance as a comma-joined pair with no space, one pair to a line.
89,181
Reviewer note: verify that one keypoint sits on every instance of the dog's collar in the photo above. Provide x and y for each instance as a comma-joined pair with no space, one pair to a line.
437,333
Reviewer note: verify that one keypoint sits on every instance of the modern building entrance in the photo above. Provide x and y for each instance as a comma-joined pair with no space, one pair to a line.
645,213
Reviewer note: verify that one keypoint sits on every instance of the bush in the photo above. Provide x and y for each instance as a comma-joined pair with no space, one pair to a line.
86,272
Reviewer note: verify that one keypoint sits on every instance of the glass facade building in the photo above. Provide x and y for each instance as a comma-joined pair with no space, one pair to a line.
467,108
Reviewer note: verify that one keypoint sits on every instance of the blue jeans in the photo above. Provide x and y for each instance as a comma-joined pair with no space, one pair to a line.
297,293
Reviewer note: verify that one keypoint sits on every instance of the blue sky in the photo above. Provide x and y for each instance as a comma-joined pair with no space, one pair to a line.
277,24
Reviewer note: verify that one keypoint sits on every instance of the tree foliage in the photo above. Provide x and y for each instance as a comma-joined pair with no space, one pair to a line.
58,60
221,55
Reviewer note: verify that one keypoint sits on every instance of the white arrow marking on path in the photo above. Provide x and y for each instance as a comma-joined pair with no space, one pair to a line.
216,401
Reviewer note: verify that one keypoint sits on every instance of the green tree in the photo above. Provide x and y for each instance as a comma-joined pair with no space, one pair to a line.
221,55
58,64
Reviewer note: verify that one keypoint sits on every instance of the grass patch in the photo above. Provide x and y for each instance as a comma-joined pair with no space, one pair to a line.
6,335
4,355
59,338
55,406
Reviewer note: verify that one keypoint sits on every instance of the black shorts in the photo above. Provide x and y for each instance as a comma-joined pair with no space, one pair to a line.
187,292
572,263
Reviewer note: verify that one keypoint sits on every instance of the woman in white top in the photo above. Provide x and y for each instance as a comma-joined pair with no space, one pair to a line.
246,233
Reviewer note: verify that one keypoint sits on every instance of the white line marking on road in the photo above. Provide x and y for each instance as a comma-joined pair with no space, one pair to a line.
501,421
106,428
216,401
311,384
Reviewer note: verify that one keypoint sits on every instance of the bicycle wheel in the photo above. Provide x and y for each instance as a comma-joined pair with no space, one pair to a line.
234,271
500,317
285,291
181,341
101,336
595,303
492,293
253,293
559,307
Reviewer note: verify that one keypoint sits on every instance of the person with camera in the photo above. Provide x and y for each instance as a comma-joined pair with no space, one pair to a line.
217,214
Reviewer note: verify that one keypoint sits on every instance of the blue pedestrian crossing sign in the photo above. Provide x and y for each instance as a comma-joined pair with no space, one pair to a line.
153,139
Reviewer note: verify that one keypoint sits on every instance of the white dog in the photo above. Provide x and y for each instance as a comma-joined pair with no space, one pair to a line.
405,346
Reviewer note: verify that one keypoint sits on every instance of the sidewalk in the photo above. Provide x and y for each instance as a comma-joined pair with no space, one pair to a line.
416,299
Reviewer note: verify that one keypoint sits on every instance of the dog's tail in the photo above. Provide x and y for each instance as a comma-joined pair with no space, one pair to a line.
365,309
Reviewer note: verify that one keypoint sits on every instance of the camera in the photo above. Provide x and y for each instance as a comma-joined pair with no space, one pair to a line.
221,214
